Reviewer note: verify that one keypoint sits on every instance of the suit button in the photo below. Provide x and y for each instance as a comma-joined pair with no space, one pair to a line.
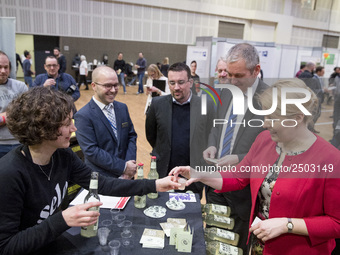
278,193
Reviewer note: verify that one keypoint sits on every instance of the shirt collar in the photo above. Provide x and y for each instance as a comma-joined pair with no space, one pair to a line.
186,102
100,104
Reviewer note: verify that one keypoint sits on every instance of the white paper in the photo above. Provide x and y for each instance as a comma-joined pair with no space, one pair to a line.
256,220
108,201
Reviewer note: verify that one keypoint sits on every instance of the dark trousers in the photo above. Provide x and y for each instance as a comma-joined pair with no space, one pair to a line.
84,80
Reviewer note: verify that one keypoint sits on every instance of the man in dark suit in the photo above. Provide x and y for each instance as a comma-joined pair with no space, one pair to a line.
175,127
240,68
105,131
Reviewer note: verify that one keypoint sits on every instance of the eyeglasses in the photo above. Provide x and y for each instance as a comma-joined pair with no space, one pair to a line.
180,82
49,66
108,86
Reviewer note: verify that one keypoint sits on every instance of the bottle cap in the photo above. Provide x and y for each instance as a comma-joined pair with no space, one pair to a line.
140,164
153,157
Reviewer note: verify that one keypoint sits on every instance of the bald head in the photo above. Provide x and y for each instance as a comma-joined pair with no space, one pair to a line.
102,70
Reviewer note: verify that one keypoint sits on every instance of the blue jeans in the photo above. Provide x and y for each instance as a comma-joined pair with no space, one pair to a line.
28,81
140,85
122,80
5,148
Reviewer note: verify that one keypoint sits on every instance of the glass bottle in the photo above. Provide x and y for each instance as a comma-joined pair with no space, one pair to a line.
221,210
218,248
92,196
153,175
222,235
140,201
219,221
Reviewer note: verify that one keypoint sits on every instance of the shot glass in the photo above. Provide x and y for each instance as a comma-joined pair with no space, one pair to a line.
103,233
126,225
119,219
114,212
182,181
114,247
106,223
126,239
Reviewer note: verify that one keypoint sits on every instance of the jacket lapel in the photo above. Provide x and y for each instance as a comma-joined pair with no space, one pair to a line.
98,112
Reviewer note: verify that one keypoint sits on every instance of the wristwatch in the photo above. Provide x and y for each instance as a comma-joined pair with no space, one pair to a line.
290,225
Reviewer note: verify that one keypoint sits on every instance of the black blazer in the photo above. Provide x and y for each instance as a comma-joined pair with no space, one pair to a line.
240,200
158,130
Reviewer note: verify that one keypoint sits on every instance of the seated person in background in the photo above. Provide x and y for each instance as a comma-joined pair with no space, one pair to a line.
34,177
105,131
63,81
299,211
155,74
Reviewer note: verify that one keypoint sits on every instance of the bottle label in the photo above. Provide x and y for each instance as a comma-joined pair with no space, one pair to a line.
225,234
140,173
222,219
95,225
153,165
226,249
94,184
218,209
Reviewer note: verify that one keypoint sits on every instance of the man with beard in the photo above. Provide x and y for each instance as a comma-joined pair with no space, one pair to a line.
105,131
175,127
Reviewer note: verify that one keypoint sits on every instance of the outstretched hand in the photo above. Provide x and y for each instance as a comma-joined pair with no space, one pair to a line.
185,171
167,183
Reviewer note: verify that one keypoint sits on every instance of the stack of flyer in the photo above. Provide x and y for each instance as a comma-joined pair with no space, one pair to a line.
152,238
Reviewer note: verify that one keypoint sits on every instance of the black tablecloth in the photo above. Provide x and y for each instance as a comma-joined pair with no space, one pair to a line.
72,243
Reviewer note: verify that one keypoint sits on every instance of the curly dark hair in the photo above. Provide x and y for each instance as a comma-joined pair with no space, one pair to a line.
37,114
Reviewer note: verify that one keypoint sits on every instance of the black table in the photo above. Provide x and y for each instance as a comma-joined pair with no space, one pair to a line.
72,243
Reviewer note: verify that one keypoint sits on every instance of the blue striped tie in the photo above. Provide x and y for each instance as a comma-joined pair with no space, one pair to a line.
111,117
228,136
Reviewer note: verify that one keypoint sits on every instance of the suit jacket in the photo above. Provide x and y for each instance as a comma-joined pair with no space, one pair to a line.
311,195
158,130
240,201
103,151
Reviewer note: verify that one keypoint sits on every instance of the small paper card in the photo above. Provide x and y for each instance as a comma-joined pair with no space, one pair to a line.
166,226
152,238
184,241
184,197
256,220
181,223
173,235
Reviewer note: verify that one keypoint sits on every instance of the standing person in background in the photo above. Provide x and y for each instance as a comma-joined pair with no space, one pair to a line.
155,74
105,131
51,78
119,67
61,60
83,72
27,69
75,66
18,61
302,69
194,76
9,89
165,66
140,65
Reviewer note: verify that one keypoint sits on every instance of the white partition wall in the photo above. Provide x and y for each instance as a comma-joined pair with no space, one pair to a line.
7,40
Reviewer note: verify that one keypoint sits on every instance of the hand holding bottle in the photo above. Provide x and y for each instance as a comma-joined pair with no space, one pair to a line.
79,216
